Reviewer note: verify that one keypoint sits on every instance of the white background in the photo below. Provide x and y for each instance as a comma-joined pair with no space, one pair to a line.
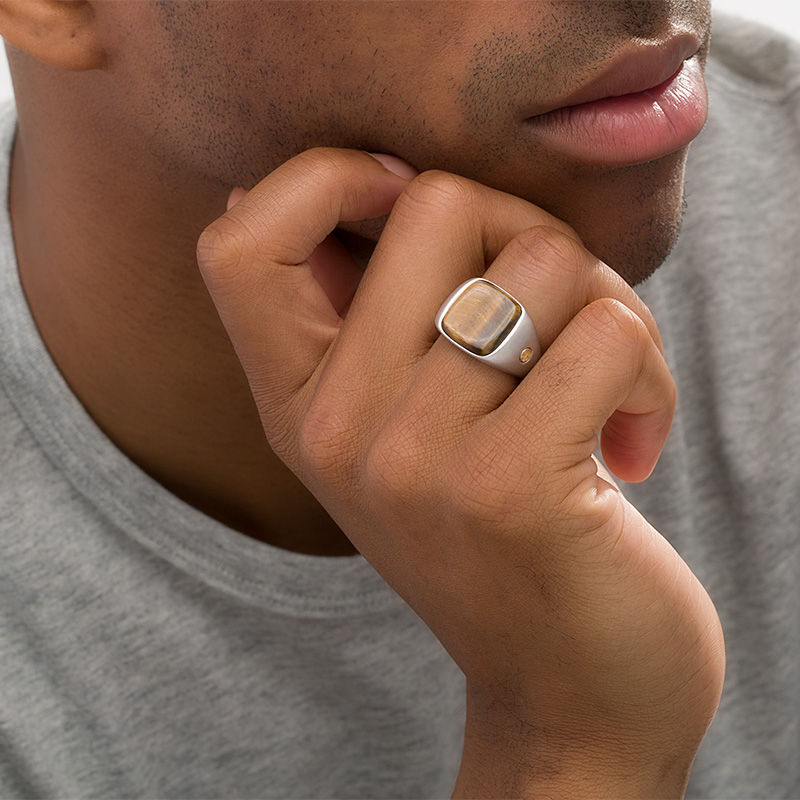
781,14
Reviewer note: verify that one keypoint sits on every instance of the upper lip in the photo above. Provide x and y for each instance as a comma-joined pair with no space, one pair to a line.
634,69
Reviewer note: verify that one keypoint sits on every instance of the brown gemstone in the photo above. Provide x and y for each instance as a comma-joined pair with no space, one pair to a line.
481,317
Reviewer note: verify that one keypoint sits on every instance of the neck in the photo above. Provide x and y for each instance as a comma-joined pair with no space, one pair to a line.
105,244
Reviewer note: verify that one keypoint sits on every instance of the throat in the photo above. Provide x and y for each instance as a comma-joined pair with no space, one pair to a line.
297,523
138,341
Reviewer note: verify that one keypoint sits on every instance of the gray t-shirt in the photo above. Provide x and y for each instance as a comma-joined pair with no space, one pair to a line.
148,651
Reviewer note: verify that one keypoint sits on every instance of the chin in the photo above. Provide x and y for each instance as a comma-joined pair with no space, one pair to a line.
637,251
627,217
630,218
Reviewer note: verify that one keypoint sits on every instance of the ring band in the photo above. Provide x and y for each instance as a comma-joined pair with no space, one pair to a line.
486,322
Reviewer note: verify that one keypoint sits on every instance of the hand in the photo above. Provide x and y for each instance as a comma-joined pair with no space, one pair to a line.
593,656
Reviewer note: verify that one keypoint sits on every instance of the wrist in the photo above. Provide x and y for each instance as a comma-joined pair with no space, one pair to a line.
506,755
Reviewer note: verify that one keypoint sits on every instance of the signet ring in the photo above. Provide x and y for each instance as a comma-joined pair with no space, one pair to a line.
489,324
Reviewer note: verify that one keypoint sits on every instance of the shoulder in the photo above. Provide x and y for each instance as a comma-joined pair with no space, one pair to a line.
749,150
740,239
750,59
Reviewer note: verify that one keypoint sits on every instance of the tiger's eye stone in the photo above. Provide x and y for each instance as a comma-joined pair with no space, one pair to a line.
481,317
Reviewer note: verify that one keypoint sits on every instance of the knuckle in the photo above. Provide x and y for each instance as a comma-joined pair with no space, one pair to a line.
322,163
618,336
221,248
646,315
435,192
228,248
606,282
551,248
613,327
327,444
550,257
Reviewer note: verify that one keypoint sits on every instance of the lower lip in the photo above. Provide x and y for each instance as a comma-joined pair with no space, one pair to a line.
630,129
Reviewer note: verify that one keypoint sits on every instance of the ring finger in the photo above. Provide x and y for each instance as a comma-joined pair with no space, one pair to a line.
553,277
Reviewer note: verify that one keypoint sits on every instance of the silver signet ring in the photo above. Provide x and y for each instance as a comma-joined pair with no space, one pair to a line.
485,321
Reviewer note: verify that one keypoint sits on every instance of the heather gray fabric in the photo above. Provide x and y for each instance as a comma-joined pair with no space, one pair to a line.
726,490
148,651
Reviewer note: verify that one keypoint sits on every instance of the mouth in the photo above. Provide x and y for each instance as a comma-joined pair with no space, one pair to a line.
649,102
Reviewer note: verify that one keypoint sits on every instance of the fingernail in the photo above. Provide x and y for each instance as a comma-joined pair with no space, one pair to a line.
396,165
235,196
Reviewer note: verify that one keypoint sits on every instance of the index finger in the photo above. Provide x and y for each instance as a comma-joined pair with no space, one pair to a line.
254,260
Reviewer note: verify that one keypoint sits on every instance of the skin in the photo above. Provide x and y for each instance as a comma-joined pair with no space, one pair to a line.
594,658
107,205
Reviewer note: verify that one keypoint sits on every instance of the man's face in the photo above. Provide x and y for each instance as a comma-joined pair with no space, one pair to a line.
228,90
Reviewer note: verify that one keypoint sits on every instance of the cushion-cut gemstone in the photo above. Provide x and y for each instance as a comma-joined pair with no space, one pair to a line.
481,317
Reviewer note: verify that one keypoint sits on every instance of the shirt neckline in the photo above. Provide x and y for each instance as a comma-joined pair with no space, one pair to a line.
130,500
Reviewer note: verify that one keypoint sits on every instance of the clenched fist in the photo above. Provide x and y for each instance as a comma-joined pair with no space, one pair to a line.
594,658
